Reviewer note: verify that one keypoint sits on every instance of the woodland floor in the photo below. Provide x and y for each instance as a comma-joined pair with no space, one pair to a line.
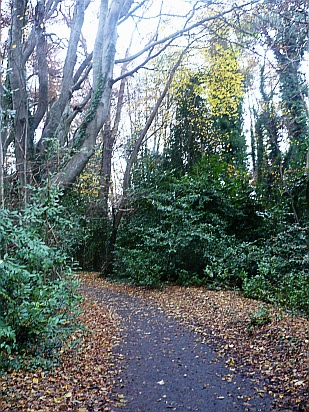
176,349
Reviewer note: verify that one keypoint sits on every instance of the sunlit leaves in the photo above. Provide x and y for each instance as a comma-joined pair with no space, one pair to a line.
224,81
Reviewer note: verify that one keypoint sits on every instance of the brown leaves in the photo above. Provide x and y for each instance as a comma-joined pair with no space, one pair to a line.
277,351
83,380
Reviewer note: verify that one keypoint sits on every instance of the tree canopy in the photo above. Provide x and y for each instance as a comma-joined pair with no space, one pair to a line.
174,137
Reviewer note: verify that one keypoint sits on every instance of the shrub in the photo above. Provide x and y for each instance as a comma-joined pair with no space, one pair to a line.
38,292
209,228
226,262
282,270
260,317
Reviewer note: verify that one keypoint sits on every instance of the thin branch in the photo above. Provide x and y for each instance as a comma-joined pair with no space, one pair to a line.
82,79
150,120
78,108
179,33
82,67
140,66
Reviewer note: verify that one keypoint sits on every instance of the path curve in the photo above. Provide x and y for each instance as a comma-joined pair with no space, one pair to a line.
166,367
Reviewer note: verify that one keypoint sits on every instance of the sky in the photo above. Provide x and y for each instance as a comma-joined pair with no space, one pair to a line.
144,28
142,31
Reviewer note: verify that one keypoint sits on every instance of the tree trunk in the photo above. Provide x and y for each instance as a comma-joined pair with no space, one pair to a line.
58,108
109,137
106,164
1,162
22,138
103,66
307,154
1,127
108,266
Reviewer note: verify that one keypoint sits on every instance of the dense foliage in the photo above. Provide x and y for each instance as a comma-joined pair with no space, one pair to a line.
207,228
38,292
200,214
194,207
181,226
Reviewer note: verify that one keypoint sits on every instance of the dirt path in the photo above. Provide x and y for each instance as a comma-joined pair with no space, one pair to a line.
166,367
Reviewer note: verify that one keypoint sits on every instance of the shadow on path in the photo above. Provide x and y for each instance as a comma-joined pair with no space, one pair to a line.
166,367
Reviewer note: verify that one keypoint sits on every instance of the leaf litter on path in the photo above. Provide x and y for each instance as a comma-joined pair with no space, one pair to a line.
252,337
277,350
81,382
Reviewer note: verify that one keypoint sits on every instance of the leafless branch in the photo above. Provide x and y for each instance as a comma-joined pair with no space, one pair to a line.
131,13
82,67
186,29
142,65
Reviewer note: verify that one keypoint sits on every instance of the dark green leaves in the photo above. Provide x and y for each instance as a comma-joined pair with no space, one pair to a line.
37,289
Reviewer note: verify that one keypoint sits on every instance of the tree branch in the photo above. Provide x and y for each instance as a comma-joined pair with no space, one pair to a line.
41,53
186,29
67,80
140,66
150,119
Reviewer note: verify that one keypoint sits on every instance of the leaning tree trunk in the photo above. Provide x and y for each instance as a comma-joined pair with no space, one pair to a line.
58,108
109,137
98,111
108,266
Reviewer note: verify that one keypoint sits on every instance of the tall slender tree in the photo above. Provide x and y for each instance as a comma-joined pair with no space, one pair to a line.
43,131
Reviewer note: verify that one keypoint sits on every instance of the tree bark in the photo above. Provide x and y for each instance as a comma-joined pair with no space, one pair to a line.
103,66
109,137
22,138
108,266
59,106
1,159
41,52
1,127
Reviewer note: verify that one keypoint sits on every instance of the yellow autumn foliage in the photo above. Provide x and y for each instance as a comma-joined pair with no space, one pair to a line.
224,81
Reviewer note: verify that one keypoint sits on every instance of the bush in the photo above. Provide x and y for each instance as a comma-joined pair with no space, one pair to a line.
281,270
179,236
181,229
226,262
38,292
142,269
210,228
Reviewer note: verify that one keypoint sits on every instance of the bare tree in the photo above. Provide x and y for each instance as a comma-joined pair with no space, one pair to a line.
29,35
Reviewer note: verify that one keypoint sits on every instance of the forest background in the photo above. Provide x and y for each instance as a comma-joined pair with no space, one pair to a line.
152,142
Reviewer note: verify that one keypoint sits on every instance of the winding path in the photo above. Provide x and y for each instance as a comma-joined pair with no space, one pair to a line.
166,367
